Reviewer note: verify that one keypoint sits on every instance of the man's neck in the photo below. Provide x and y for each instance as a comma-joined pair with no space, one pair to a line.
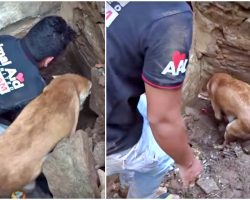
28,52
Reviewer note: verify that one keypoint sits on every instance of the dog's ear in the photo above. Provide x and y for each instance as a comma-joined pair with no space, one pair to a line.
55,76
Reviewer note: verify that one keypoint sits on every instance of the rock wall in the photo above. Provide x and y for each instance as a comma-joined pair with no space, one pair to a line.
17,17
221,44
87,18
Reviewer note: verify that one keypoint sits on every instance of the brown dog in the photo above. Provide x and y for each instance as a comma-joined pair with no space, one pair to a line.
231,97
40,126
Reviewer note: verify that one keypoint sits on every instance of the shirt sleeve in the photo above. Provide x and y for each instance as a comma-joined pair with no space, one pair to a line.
166,45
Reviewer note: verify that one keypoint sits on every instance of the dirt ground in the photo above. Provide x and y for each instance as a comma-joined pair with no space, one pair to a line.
226,172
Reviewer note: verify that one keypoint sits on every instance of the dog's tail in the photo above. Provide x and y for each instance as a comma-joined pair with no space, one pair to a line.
204,95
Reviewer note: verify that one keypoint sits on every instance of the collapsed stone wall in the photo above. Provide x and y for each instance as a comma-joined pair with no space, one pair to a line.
17,17
221,44
71,169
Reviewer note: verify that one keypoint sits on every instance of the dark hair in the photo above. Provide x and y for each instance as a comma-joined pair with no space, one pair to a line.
49,37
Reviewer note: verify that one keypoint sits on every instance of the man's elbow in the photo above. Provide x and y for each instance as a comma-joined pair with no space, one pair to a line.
155,119
173,120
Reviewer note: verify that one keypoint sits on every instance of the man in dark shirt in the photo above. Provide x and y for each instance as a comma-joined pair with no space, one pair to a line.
148,47
21,59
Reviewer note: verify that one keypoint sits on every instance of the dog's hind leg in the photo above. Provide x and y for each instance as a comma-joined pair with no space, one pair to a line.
236,130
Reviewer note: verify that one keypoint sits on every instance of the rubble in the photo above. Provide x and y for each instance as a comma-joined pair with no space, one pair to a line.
70,169
99,154
207,184
246,147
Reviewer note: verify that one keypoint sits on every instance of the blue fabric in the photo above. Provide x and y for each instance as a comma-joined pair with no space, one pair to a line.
20,80
146,41
2,128
142,167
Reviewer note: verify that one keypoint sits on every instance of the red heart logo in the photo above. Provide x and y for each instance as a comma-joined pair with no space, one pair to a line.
20,77
177,57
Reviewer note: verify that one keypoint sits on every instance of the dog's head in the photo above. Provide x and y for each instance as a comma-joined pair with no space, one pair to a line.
82,85
85,90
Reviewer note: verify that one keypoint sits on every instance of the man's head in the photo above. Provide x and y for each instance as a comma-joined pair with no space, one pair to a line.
48,38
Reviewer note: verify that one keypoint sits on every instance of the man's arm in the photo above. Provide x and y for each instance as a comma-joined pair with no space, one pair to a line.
166,122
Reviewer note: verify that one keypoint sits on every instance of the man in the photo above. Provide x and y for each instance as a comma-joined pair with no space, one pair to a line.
21,59
148,47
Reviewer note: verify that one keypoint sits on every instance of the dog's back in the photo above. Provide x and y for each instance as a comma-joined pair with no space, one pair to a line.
231,98
230,94
42,123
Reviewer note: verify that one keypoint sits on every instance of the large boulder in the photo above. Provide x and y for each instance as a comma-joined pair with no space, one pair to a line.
87,18
99,154
97,98
18,17
70,169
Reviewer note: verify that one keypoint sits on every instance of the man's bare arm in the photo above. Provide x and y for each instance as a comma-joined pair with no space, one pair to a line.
166,122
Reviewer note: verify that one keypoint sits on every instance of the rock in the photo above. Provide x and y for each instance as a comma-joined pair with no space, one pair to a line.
69,169
207,184
246,146
110,182
18,17
91,146
100,125
229,194
175,184
99,154
102,176
88,20
230,178
97,97
222,44
224,181
103,194
99,130
191,111
237,149
116,196
123,192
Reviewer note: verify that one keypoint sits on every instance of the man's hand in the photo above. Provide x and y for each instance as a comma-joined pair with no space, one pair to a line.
166,122
190,173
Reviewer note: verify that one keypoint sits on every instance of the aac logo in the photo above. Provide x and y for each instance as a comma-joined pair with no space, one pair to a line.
177,65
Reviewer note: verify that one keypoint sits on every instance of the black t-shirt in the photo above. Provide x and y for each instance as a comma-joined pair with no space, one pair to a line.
146,42
20,80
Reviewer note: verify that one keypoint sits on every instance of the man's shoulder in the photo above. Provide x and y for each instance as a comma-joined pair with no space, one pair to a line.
140,15
7,37
156,10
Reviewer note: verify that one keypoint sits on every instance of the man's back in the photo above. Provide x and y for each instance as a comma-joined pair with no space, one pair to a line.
130,33
20,80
